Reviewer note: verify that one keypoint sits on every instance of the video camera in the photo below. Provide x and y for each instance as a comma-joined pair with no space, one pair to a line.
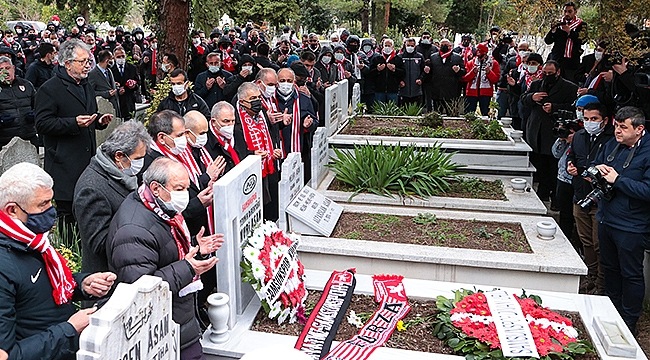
507,37
602,189
565,122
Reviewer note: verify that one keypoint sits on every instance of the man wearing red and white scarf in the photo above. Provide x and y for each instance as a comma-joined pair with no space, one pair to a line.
149,236
253,136
566,35
37,316
221,141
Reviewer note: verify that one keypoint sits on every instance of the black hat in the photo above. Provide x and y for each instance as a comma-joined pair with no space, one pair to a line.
535,57
299,69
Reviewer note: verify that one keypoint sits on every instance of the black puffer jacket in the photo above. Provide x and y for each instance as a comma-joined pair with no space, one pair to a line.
16,111
140,243
39,72
582,154
192,102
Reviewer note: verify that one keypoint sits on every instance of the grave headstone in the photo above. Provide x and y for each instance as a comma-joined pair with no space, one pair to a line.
356,98
135,323
332,109
320,157
290,185
237,211
344,89
311,213
17,151
105,107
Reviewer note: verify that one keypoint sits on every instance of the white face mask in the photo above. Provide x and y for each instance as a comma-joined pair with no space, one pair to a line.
425,41
111,38
593,127
326,59
179,200
227,131
339,56
367,48
249,68
580,115
532,68
269,91
410,49
180,145
138,36
512,51
120,61
80,22
154,46
164,67
285,88
178,90
56,23
201,140
598,55
196,41
136,166
214,69
522,53
387,50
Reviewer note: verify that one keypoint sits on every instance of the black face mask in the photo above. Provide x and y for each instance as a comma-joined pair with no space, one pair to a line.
255,105
465,43
254,39
31,37
301,82
444,48
284,51
353,48
232,38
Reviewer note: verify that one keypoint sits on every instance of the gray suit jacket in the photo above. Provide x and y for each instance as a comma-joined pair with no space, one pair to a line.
102,86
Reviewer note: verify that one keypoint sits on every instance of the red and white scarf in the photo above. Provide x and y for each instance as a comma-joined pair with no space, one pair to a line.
390,57
194,170
270,104
228,63
226,144
60,276
295,126
340,65
257,137
154,59
529,77
568,49
467,54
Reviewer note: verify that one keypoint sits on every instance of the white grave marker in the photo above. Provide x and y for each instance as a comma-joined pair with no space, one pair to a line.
356,98
290,184
135,323
344,89
320,157
332,109
311,213
237,211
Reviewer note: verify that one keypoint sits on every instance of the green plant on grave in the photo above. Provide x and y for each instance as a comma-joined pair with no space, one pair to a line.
432,120
483,232
411,110
487,131
162,91
361,109
394,169
389,108
471,116
455,107
67,244
425,219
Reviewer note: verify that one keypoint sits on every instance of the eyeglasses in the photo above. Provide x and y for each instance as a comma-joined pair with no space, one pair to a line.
83,62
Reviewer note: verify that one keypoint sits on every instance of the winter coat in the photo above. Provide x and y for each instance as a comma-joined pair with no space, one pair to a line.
68,147
559,39
215,149
215,93
444,83
39,72
481,83
140,243
387,81
16,111
413,70
306,109
103,86
128,99
582,154
192,102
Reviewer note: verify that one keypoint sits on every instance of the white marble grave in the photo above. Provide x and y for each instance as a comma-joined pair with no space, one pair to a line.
320,157
290,185
344,89
333,116
311,213
135,323
237,211
356,99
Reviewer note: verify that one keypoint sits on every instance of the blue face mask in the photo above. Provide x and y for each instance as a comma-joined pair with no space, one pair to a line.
40,223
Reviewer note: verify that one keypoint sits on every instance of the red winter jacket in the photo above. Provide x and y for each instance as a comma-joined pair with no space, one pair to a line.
487,80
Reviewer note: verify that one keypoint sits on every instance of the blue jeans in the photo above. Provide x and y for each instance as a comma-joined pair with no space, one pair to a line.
621,261
482,101
386,97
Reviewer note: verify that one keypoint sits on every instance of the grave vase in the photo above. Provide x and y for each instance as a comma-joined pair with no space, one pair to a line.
218,313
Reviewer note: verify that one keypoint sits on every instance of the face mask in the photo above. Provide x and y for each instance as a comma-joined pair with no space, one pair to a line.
353,48
196,41
201,140
339,56
598,55
111,63
532,68
592,127
136,166
284,51
550,79
47,41
226,131
425,42
269,91
367,48
10,40
522,53
164,67
444,48
80,22
387,50
512,52
214,69
580,115
120,61
111,38
178,201
178,90
326,59
154,46
249,68
31,37
139,37
41,223
180,145
56,23
410,49
465,43
285,88
256,106
254,39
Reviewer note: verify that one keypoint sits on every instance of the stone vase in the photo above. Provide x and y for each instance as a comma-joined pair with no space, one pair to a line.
518,184
546,230
218,313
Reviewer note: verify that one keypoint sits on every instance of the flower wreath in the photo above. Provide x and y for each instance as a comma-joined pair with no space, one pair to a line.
271,265
465,323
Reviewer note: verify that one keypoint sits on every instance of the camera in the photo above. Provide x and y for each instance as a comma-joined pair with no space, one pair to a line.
565,122
508,36
602,189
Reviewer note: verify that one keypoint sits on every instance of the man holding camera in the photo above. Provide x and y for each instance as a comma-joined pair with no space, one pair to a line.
567,36
586,144
623,226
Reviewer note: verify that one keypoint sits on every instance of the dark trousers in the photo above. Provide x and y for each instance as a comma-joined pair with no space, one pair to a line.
368,100
426,93
621,259
271,201
587,227
193,352
483,103
564,196
410,100
546,174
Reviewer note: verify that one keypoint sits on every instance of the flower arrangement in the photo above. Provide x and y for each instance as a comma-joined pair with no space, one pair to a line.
466,324
271,265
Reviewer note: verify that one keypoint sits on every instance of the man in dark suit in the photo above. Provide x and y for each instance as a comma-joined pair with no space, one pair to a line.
102,81
220,136
127,82
66,118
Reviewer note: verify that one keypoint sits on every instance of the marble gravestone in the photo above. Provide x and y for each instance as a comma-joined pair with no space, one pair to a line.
17,151
311,213
135,323
105,107
356,98
290,184
320,157
332,109
344,103
237,211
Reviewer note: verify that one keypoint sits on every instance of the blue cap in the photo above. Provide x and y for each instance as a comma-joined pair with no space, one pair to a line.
586,99
291,59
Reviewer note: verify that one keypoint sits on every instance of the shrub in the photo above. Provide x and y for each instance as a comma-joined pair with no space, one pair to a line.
386,109
432,120
490,131
411,110
402,170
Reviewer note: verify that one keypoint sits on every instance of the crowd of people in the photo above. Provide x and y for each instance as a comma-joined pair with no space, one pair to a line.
142,202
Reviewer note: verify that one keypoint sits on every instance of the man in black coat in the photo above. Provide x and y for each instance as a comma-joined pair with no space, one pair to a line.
16,106
42,69
102,81
214,84
148,236
220,137
446,70
127,81
181,99
66,118
544,98
567,36
387,70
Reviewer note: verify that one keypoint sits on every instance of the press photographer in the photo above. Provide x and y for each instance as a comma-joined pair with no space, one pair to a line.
567,36
624,220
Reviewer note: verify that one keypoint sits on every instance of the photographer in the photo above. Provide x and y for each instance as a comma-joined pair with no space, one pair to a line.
584,148
631,84
624,219
567,37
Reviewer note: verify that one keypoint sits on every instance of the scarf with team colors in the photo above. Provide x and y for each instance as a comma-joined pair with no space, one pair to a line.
295,126
257,137
194,170
60,276
393,307
225,143
568,49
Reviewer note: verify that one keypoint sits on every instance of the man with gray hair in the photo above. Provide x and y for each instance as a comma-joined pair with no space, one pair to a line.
16,105
221,139
37,289
66,118
108,179
149,236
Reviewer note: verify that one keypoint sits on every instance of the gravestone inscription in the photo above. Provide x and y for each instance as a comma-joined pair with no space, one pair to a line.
290,185
311,213
320,157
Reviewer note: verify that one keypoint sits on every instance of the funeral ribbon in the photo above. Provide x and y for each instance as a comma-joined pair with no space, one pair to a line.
393,307
317,335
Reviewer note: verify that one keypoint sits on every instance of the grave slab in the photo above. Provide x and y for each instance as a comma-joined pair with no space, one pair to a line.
356,99
290,185
17,151
344,89
333,116
312,213
319,157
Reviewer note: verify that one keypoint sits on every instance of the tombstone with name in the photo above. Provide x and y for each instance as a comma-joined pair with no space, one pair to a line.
320,157
135,323
290,184
356,98
105,107
312,213
237,211
17,151
332,109
344,102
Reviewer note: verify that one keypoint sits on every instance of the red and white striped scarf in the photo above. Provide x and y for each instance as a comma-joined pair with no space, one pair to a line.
60,276
295,126
341,69
257,137
228,63
568,49
225,144
194,170
529,77
270,104
468,54
390,57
